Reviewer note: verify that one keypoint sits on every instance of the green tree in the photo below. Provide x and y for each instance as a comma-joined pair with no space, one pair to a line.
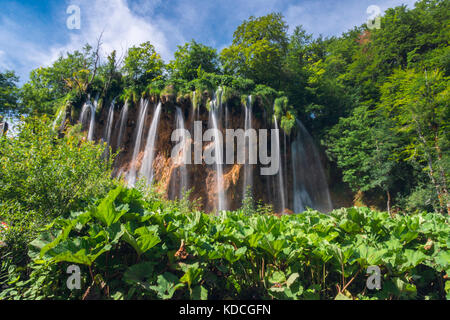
8,92
365,151
418,103
110,76
191,58
48,86
258,50
142,64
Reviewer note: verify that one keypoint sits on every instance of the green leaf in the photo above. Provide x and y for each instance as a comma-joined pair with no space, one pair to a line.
106,212
413,258
199,293
292,278
144,239
193,275
341,296
167,284
139,273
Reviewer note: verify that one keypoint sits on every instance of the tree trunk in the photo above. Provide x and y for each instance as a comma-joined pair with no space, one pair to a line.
444,189
388,201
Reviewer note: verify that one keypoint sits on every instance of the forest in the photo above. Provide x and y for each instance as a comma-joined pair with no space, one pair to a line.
375,102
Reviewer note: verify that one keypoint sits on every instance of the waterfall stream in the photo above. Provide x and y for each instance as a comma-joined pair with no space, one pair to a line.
218,152
248,168
123,118
149,155
143,105
109,124
280,172
181,185
90,108
310,185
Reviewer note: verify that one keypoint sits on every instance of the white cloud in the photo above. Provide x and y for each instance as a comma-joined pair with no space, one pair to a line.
334,18
144,7
118,26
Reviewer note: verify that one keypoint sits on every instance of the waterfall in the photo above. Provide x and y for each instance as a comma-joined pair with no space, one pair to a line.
248,168
89,107
109,124
143,105
227,116
122,123
179,162
147,162
310,186
218,154
92,124
280,172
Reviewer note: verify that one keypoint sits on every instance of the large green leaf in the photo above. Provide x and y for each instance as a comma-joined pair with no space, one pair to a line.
139,274
167,284
106,211
193,275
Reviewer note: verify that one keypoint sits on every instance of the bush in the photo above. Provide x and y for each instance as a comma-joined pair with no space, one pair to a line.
43,176
48,174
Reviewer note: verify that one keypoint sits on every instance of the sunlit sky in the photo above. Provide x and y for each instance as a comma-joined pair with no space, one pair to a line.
34,33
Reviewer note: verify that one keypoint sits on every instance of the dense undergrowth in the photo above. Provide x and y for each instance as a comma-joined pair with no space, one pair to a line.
131,245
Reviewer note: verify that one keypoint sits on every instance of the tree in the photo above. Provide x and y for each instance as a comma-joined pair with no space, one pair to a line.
365,152
258,50
74,72
142,64
418,103
191,58
110,75
8,92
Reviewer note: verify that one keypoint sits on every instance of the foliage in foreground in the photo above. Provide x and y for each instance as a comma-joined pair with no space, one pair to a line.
44,175
130,247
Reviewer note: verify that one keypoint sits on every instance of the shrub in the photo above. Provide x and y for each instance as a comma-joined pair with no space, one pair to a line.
43,176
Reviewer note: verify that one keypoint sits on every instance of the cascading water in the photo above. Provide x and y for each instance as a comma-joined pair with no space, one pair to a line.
143,105
218,155
147,162
92,124
109,124
280,172
300,182
285,168
88,107
248,168
310,186
122,125
181,184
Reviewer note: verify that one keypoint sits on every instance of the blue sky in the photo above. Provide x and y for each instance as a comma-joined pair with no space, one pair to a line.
33,33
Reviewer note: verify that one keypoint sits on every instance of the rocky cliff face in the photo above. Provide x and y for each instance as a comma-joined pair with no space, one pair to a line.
304,184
